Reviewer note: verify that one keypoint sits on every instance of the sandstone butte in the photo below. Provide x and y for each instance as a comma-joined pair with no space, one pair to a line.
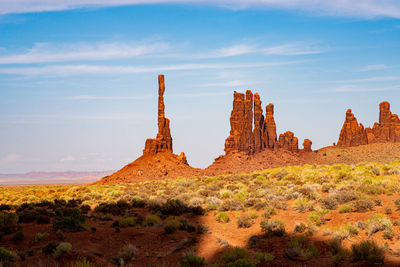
253,144
244,137
158,160
386,130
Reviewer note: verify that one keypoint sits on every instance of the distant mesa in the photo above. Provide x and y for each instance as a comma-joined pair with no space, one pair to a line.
244,137
384,131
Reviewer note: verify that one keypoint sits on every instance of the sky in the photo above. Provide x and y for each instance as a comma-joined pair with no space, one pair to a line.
78,78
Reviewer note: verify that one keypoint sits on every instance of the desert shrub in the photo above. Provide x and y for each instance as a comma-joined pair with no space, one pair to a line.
125,222
388,234
344,196
151,220
232,205
338,252
42,219
234,254
62,248
301,246
225,194
8,222
345,231
50,247
196,201
5,255
329,203
362,205
241,263
245,221
202,229
26,216
171,225
82,262
397,203
171,207
128,252
264,257
17,236
117,208
40,236
137,202
71,220
190,259
378,222
213,203
5,207
222,217
388,210
269,211
274,227
317,217
301,204
367,250
299,227
345,208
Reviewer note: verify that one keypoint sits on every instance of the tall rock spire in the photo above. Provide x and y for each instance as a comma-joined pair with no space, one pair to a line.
163,141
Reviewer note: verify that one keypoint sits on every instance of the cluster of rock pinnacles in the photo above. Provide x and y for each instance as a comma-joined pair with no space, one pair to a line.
252,133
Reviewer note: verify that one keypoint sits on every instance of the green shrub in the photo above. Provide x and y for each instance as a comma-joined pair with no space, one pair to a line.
388,234
301,246
299,227
245,221
151,220
17,236
193,261
264,257
397,203
301,204
71,220
367,250
274,227
125,222
6,255
62,248
137,202
317,217
82,262
40,236
345,208
8,222
378,222
222,217
362,205
234,254
50,247
241,263
329,203
269,212
171,225
128,252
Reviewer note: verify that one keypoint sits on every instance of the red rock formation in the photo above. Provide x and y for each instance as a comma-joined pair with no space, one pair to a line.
270,127
163,141
307,145
259,143
386,130
243,138
288,141
352,133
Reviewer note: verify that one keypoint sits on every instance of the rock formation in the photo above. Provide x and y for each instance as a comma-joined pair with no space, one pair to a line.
163,141
386,130
307,145
248,139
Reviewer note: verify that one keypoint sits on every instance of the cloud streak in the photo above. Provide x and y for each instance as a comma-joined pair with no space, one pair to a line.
346,8
68,70
46,52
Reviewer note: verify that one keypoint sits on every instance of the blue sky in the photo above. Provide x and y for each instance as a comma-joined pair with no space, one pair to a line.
78,79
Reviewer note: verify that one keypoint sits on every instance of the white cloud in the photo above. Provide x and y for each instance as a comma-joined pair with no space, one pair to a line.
374,67
46,52
372,79
351,8
292,49
67,70
357,88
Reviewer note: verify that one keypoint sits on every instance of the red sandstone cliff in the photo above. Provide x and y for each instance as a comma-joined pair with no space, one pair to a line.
386,130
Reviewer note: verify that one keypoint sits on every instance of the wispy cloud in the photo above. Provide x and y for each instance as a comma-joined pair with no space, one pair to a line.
374,67
352,8
47,52
67,70
357,88
293,49
371,79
